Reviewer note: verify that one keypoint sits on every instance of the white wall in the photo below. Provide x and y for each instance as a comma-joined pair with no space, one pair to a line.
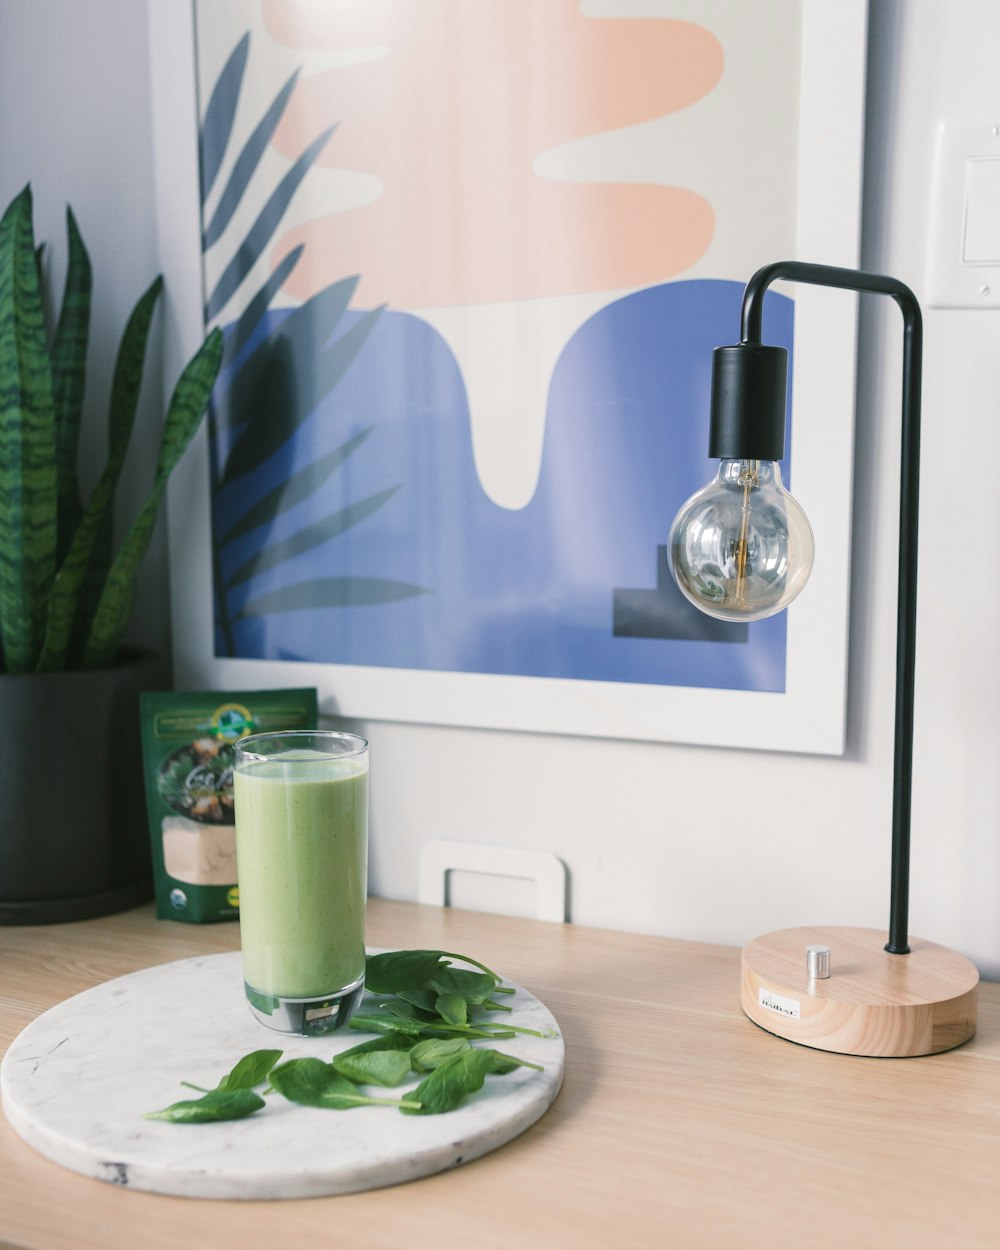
934,60
75,123
709,844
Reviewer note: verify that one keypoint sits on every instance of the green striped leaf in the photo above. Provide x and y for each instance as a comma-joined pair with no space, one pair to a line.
125,388
129,364
263,228
246,164
83,573
28,490
310,536
65,597
69,372
220,115
298,488
332,592
184,413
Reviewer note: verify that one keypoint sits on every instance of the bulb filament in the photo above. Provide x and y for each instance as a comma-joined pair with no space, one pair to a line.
748,481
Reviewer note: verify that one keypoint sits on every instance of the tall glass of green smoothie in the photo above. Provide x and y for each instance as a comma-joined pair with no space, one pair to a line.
301,806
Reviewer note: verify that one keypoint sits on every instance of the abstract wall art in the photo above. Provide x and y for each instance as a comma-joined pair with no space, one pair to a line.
471,261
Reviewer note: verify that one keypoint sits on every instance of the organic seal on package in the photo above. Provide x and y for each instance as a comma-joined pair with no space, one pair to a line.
187,745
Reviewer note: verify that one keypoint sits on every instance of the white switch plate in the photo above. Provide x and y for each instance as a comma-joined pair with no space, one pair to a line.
483,865
961,223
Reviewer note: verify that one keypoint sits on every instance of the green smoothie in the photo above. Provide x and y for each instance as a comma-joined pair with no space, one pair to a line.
301,851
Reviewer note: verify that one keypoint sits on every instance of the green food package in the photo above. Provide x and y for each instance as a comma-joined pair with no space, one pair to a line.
187,750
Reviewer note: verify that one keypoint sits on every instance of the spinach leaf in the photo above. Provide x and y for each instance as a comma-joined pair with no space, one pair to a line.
251,1070
393,971
313,1083
475,987
434,1051
448,1084
467,959
383,1022
423,997
388,1041
452,1008
399,1006
378,1067
502,1064
220,1104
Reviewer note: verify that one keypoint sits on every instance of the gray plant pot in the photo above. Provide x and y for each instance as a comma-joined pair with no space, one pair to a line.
74,840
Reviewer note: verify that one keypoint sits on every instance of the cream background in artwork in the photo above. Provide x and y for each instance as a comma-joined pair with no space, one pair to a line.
507,349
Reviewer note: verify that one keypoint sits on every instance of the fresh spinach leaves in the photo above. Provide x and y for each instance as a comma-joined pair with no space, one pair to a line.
434,1052
251,1070
375,1067
233,1098
450,1082
227,1104
426,1014
393,971
313,1083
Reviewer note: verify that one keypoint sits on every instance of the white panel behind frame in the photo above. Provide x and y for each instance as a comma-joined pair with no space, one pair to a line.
810,715
173,88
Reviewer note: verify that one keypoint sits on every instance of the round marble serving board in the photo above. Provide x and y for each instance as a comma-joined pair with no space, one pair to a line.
76,1082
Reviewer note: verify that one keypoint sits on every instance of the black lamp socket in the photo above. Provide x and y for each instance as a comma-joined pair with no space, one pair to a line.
749,383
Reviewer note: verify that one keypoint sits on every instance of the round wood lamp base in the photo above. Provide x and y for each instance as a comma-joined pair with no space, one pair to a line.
873,1003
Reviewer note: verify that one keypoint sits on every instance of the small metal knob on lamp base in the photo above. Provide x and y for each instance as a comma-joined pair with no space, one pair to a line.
818,961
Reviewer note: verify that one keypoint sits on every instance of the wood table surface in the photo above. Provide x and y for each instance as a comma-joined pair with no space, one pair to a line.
680,1123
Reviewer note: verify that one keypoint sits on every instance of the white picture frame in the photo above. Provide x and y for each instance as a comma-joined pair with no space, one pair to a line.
810,715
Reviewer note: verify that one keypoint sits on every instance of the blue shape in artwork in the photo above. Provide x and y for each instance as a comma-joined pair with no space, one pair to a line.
527,592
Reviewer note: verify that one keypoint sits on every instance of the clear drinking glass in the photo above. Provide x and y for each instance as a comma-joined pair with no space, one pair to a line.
301,805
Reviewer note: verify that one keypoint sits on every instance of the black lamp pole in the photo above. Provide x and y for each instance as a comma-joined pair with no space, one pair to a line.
741,372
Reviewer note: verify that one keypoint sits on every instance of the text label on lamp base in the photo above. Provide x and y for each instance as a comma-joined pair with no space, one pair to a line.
779,1004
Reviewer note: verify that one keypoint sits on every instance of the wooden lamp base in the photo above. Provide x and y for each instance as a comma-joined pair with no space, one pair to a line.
873,1003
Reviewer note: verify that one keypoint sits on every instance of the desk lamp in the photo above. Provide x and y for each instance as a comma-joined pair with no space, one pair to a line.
741,549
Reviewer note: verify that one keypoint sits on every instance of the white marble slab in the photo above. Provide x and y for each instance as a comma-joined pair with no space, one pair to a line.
76,1082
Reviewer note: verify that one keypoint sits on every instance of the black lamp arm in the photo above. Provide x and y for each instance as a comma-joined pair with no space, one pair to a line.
906,608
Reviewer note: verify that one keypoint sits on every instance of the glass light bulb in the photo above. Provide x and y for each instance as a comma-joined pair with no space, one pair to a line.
741,548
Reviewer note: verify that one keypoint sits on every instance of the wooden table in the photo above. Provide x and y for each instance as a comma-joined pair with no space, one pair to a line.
680,1123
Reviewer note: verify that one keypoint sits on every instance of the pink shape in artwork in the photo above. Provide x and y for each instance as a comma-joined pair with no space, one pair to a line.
451,122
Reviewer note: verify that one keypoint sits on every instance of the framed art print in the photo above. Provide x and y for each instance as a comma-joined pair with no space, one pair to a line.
471,258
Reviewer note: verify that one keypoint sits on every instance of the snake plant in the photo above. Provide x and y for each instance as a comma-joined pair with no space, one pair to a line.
65,594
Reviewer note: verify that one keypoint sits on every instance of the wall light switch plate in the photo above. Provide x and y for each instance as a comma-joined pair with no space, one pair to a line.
963,247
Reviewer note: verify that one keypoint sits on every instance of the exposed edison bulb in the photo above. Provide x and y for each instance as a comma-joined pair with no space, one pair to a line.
741,549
